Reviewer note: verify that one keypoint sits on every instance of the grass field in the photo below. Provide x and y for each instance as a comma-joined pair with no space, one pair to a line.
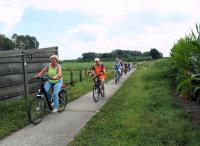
76,66
82,87
14,114
82,65
143,112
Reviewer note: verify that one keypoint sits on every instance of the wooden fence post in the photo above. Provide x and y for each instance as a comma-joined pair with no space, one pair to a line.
80,73
71,77
86,74
25,76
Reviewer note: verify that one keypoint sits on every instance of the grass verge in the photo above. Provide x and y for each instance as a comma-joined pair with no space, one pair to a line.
142,113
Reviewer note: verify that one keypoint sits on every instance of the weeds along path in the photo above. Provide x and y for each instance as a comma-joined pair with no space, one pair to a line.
58,129
144,112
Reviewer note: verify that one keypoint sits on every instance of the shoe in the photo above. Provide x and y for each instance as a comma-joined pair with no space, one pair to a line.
55,110
52,104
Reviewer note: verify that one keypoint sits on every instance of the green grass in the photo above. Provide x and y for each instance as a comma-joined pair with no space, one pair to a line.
83,65
79,66
13,114
142,113
84,87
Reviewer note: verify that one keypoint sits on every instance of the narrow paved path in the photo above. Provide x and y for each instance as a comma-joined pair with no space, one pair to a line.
58,129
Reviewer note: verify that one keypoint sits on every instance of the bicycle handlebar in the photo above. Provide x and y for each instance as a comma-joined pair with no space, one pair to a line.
42,77
98,75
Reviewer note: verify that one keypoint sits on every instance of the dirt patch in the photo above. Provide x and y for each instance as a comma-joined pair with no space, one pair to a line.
193,110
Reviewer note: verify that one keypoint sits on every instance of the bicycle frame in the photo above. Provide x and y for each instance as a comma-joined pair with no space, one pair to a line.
41,91
97,81
37,104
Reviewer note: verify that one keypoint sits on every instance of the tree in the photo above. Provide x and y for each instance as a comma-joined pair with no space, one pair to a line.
117,53
146,54
5,43
137,53
106,55
125,55
26,42
155,54
89,56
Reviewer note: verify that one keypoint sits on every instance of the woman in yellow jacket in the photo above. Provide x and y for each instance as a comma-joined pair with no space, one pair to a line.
54,71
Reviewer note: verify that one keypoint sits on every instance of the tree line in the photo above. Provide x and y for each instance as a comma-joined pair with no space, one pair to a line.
18,42
126,55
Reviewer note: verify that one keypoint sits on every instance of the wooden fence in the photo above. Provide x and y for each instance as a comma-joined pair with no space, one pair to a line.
75,75
80,74
17,69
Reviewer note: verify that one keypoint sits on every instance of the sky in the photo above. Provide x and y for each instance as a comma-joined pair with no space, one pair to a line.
78,26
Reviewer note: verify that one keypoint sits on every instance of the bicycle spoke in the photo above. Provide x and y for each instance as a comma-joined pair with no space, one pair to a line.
62,100
36,110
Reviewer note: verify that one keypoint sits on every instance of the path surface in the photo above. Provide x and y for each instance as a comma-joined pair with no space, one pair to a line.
58,129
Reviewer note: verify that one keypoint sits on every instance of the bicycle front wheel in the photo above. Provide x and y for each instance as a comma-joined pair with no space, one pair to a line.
95,93
36,110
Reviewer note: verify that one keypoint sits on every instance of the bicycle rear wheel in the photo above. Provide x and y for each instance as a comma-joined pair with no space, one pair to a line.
36,110
116,79
62,100
95,93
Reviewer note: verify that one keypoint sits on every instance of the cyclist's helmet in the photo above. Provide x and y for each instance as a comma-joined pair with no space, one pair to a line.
96,59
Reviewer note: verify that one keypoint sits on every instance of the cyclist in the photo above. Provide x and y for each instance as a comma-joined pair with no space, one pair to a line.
54,71
122,67
99,69
129,66
125,68
117,68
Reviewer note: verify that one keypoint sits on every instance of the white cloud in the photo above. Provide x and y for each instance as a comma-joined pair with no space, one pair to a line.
72,45
110,15
10,15
107,11
161,37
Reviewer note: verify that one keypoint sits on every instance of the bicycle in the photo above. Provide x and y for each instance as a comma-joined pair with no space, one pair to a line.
97,89
37,105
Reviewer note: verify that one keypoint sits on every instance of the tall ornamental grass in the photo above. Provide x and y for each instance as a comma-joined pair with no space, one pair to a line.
185,65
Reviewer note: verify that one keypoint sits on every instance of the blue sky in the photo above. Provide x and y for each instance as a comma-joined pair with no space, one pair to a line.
80,26
46,25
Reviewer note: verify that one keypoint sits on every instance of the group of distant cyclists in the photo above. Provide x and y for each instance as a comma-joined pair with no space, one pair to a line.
54,71
119,68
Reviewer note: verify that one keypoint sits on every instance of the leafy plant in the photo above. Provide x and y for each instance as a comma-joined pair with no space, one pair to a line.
185,64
